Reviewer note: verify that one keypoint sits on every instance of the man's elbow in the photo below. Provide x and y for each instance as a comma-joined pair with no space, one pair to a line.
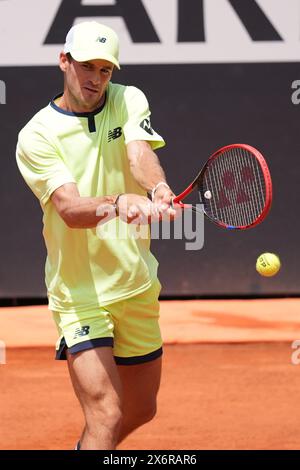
65,202
65,210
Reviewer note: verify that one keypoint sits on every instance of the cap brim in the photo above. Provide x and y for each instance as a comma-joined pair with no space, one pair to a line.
80,56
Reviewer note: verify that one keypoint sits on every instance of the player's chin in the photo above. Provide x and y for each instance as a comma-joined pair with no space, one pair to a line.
90,97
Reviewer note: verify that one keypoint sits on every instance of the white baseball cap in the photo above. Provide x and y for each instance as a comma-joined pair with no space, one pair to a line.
91,40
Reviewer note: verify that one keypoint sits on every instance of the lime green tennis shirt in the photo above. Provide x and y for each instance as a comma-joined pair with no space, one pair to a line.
85,270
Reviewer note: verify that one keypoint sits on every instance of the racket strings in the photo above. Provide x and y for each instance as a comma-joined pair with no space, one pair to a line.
237,185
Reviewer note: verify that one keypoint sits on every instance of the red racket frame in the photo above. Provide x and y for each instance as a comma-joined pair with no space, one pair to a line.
268,185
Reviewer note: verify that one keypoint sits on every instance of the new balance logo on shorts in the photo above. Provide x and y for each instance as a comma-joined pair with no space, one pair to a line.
114,134
83,331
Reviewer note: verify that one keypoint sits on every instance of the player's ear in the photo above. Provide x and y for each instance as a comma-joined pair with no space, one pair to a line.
64,61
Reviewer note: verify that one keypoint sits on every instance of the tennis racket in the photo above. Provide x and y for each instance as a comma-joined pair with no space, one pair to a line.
234,188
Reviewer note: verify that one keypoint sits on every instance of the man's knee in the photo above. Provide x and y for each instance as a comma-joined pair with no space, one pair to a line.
145,413
150,412
110,420
135,419
103,409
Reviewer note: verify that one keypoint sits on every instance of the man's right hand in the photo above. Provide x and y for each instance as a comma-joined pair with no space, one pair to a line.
140,210
133,208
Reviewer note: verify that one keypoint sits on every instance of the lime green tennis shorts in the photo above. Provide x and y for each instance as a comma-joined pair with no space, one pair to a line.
130,327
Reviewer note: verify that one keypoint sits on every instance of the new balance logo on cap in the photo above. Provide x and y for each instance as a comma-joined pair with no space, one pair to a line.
81,331
114,134
100,39
146,125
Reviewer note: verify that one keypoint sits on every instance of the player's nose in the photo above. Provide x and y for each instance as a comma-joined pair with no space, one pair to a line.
96,79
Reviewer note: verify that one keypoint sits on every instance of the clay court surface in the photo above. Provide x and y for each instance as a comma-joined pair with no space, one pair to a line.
228,380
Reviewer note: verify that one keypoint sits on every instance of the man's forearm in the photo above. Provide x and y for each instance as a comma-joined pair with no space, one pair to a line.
145,167
86,212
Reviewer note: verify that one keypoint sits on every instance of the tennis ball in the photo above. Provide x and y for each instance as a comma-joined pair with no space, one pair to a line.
268,264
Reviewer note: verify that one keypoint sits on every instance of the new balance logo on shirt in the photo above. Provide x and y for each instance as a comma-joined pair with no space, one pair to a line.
114,134
81,331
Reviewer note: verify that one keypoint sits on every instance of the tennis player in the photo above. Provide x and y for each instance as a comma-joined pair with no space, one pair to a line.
90,153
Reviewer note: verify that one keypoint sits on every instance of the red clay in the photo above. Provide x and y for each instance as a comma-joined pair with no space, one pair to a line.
222,396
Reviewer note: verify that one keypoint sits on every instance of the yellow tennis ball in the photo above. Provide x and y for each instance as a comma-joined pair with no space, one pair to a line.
268,264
